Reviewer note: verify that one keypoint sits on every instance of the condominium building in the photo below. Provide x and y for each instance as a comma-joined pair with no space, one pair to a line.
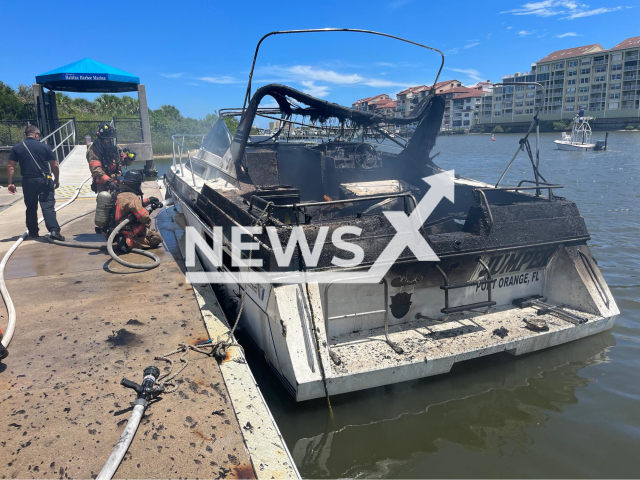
462,105
407,100
369,104
602,82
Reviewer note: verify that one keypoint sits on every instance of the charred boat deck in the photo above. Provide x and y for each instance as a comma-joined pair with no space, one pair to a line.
431,347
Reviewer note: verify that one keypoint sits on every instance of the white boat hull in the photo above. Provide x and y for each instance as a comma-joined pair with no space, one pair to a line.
574,147
279,321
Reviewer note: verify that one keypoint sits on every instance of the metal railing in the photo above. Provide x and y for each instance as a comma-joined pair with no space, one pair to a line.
129,129
183,149
13,130
481,197
62,140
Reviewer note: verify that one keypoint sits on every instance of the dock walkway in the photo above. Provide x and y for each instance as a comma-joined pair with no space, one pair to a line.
83,323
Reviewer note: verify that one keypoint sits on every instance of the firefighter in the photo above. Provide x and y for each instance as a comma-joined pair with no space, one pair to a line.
106,159
129,203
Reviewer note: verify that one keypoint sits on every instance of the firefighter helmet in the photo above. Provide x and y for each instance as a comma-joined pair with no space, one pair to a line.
106,131
133,180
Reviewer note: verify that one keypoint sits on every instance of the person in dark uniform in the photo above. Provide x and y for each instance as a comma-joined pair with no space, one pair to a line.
40,177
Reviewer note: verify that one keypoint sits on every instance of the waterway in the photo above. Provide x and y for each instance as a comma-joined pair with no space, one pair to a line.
567,412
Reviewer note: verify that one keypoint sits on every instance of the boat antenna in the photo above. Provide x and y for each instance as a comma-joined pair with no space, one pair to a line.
535,121
326,30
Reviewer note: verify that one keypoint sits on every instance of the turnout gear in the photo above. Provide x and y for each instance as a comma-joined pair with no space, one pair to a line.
129,153
106,159
138,230
125,244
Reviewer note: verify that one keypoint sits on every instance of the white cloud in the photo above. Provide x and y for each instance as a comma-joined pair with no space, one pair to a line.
305,73
472,43
171,75
193,84
386,64
472,73
546,8
509,28
549,8
315,90
453,51
331,76
589,13
524,33
218,80
568,34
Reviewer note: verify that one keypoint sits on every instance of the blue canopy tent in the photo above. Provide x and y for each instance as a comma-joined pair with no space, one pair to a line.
89,76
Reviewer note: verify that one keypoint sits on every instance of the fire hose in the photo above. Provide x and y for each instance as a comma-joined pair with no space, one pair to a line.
7,336
146,392
11,309
110,240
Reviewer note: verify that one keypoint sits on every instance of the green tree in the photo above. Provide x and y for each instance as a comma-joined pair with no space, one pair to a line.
25,93
561,125
497,129
11,108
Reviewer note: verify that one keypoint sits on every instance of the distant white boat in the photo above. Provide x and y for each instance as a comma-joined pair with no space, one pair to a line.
580,137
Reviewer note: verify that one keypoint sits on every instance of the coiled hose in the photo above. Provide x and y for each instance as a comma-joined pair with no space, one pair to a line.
109,246
11,309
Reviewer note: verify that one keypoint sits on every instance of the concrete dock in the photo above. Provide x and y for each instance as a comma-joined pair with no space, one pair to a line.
84,322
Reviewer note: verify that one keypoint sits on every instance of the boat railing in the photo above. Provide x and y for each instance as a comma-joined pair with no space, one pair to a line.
183,149
481,197
180,150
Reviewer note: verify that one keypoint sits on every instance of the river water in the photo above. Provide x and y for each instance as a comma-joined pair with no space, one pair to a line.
570,411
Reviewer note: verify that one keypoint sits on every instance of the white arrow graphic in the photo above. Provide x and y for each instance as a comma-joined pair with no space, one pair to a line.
408,227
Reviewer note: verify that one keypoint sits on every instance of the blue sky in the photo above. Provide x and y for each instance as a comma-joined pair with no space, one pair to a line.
197,55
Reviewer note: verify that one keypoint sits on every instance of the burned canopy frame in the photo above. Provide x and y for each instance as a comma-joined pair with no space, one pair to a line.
331,30
289,100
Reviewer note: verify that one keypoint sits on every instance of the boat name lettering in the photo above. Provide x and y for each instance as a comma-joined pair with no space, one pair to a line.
518,279
518,261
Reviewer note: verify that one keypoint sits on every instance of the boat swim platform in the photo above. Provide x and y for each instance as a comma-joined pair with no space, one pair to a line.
83,323
431,347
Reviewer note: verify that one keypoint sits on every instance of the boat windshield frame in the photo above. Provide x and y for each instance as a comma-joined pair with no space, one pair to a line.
247,97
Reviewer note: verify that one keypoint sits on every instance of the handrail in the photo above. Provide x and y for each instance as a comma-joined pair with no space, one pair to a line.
328,30
230,178
181,147
58,133
482,198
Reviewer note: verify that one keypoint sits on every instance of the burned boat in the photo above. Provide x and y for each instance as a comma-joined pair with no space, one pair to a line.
315,250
